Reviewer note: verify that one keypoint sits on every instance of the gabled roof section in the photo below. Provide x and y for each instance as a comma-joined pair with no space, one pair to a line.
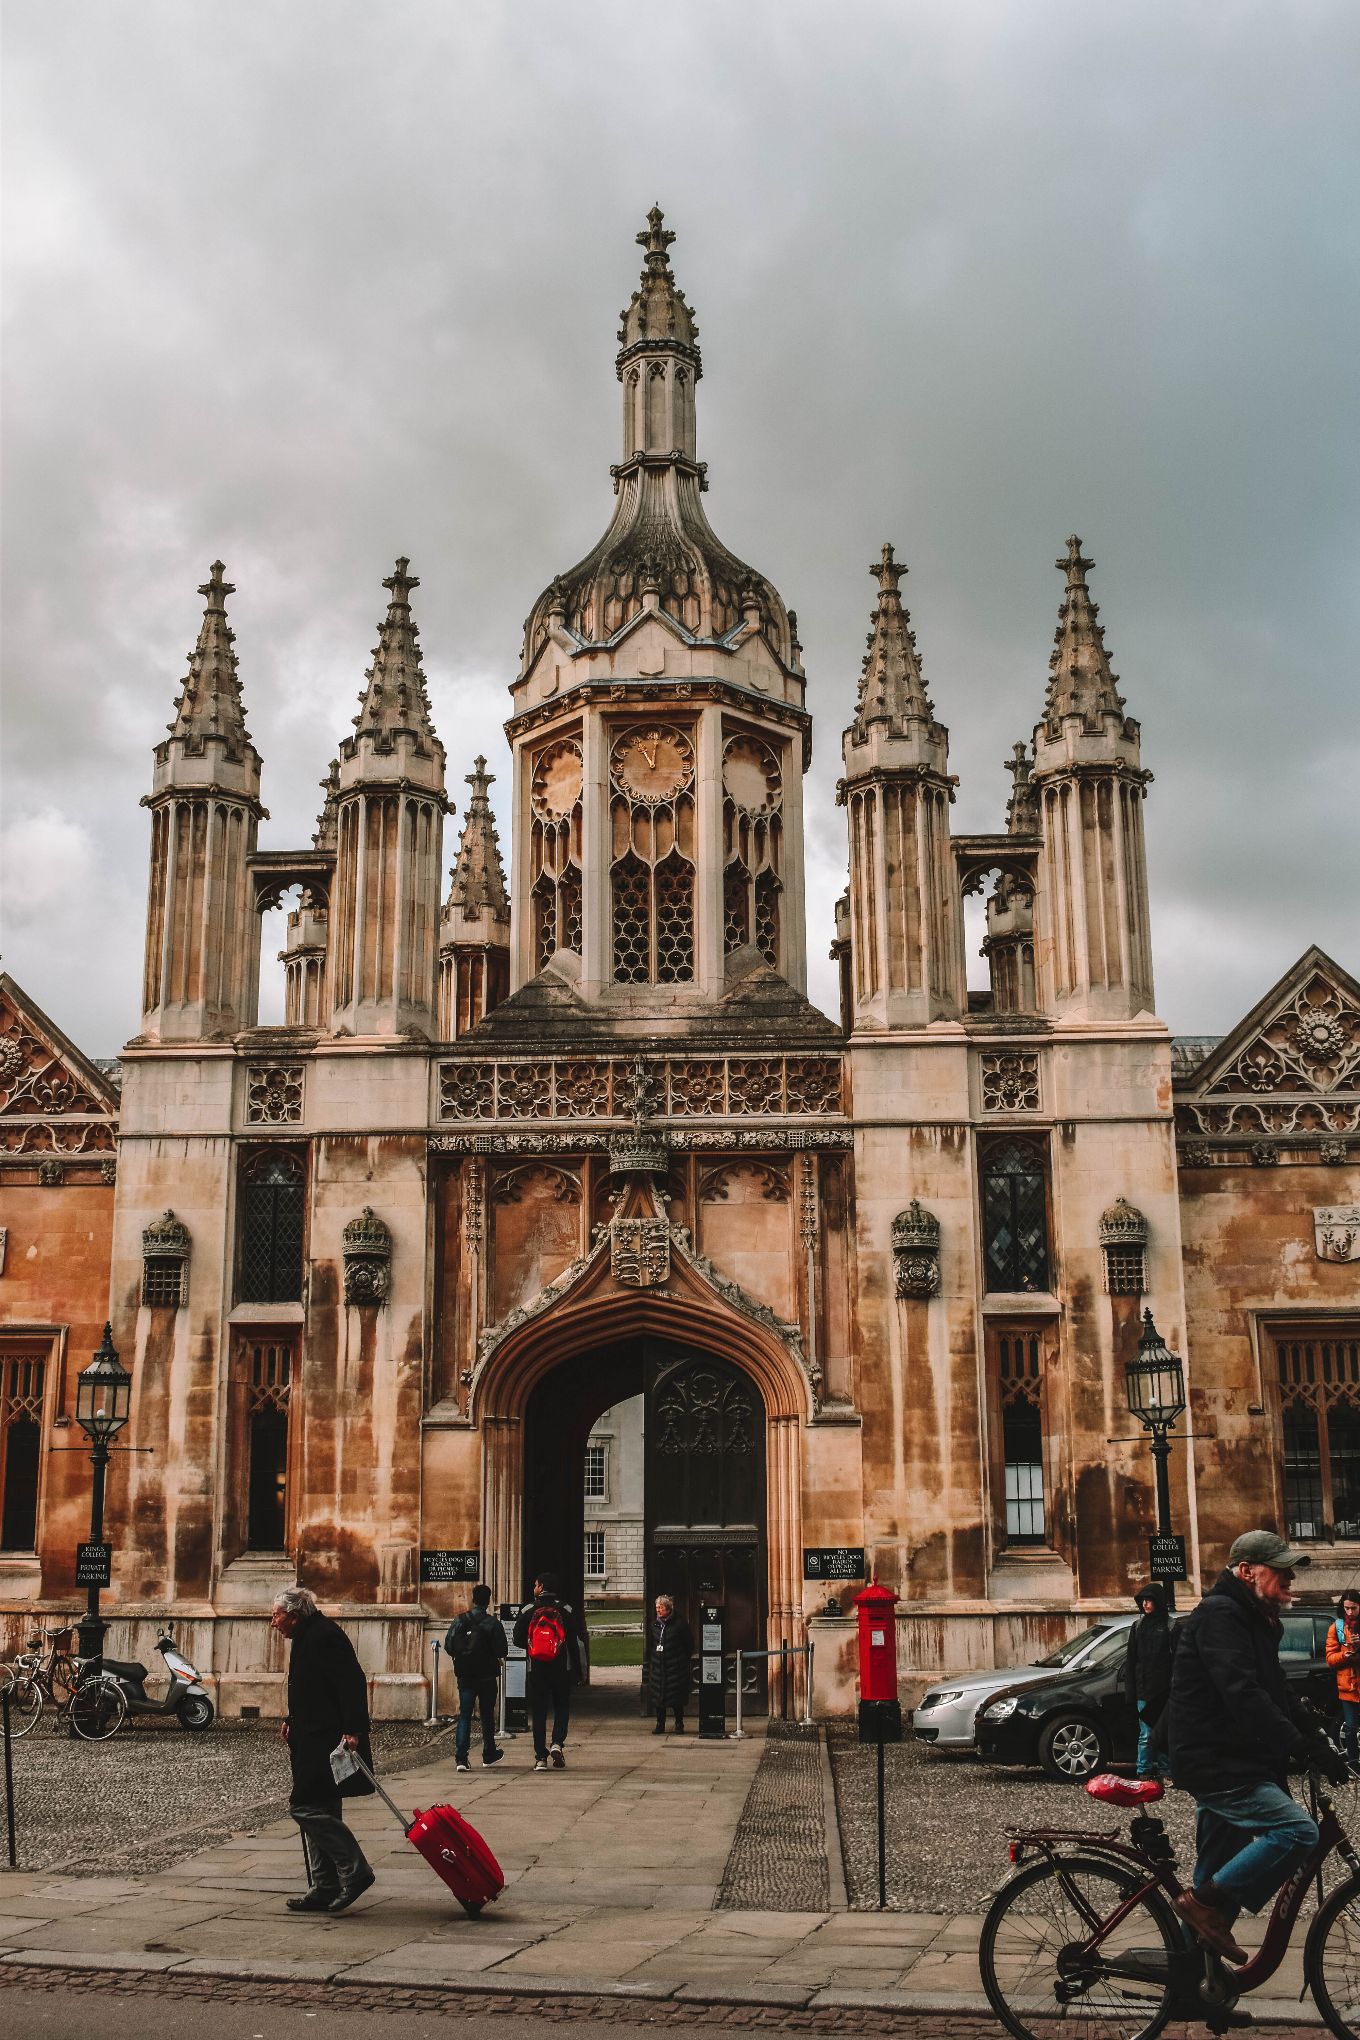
43,1075
1302,1039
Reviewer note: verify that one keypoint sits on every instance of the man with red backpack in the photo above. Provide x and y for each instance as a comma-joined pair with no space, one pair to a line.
545,1630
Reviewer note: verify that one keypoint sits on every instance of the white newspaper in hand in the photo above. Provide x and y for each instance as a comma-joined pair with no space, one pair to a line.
344,1763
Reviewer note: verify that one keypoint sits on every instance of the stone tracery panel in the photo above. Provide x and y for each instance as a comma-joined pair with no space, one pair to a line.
753,845
682,1087
555,779
652,831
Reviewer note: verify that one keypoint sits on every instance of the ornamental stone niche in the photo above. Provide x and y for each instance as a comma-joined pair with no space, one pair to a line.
916,1252
367,1247
1123,1242
165,1263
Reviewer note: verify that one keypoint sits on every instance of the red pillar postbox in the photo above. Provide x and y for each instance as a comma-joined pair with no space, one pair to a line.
880,1712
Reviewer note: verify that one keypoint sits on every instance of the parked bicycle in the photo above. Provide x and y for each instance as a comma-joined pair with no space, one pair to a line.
81,1692
1083,1939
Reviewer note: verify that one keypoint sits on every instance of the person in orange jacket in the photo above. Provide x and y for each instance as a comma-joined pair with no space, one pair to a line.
1343,1655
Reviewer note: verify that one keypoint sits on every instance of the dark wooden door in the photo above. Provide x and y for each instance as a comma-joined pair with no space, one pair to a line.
705,1494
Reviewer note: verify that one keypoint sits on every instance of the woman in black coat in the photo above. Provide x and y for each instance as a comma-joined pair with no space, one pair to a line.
327,1706
668,1661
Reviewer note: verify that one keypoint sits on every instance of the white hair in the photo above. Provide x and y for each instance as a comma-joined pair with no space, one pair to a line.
296,1601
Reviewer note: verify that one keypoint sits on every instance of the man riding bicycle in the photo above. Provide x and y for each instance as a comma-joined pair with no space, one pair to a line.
1233,1729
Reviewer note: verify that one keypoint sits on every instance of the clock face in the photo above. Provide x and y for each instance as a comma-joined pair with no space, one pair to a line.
653,765
556,785
751,776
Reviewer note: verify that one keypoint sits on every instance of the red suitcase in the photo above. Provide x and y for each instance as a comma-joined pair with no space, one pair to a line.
453,1849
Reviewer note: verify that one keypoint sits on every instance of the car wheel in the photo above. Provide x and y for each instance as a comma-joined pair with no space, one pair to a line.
1071,1749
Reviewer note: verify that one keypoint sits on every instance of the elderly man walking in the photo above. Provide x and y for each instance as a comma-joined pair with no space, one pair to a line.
327,1706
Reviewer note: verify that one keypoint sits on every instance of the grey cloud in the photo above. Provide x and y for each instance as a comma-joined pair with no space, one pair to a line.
310,287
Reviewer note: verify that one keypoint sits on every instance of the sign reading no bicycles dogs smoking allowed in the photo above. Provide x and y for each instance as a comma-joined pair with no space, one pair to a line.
94,1565
438,1568
1166,1558
834,1562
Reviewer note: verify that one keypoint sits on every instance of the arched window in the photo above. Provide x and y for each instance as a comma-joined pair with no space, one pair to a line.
270,1388
1015,1215
22,1377
273,1195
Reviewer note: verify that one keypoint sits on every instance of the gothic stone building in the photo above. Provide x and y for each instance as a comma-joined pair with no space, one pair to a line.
512,1160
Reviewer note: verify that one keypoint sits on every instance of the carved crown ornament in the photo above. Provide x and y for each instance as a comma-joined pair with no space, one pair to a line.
366,1245
916,1252
167,1237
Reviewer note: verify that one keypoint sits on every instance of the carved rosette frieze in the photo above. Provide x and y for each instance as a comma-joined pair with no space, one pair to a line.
681,1139
1010,1080
675,1087
916,1252
1332,1151
51,1173
366,1245
52,1137
1297,1119
1195,1154
274,1094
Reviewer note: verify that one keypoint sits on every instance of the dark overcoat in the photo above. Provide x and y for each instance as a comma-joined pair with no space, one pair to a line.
327,1698
1151,1647
670,1647
1232,1720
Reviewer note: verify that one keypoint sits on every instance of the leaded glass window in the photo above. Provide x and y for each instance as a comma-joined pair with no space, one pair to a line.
1015,1216
1319,1387
269,1384
22,1381
273,1197
1019,1367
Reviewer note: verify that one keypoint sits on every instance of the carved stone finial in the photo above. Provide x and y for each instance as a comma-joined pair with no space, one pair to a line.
396,697
891,689
209,704
477,880
1081,680
656,239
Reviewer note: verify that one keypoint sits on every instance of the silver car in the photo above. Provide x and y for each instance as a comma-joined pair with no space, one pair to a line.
946,1713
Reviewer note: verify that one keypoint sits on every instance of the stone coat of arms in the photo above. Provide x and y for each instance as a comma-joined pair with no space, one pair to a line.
1336,1232
640,1251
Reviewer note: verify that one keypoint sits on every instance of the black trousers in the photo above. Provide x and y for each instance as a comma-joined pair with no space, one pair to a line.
549,1685
677,1708
333,1855
481,1694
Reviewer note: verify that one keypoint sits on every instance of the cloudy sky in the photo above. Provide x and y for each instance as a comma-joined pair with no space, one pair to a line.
308,286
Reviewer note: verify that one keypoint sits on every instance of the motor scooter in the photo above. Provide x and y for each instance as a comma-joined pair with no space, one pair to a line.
185,1697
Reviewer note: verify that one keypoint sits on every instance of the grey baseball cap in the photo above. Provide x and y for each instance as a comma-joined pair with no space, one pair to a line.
1266,1547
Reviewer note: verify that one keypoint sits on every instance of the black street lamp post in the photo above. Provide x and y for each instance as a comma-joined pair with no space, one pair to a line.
1155,1381
103,1401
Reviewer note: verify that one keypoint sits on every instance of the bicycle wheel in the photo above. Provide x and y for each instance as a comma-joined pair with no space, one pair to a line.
25,1704
1036,1978
1331,1959
98,1709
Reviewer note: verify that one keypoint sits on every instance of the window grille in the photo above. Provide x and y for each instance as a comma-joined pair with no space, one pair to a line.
1319,1389
631,903
1020,1385
273,1191
23,1378
1015,1216
569,902
594,1554
736,908
545,931
162,1281
269,1394
595,1470
1124,1270
767,919
674,922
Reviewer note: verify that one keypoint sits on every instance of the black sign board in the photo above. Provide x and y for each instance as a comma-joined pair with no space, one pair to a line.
94,1565
441,1568
712,1691
1166,1558
834,1562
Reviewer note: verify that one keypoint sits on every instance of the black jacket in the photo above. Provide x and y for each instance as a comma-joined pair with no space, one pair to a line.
327,1698
568,1619
1152,1643
476,1644
669,1652
1232,1719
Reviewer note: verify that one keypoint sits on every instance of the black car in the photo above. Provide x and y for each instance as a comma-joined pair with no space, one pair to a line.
1077,1723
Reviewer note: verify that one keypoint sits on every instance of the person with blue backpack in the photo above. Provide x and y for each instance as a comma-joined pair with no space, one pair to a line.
545,1630
1343,1655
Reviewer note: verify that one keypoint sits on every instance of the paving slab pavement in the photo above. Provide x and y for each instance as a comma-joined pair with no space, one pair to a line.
613,1869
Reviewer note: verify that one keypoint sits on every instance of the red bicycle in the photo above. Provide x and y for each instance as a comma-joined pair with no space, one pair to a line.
1083,1940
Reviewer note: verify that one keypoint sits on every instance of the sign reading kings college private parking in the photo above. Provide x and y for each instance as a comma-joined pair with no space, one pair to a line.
1166,1558
94,1565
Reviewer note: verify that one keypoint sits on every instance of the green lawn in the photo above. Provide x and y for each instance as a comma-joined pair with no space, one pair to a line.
616,1650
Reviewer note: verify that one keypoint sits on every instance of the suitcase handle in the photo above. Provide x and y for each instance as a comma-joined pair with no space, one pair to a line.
391,1804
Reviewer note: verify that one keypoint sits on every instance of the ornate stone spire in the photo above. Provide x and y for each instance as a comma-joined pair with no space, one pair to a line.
657,308
891,689
396,698
1022,809
209,707
323,837
478,878
1080,679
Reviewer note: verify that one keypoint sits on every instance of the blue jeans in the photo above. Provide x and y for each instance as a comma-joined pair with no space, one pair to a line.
1150,1763
482,1693
1350,1729
1282,1835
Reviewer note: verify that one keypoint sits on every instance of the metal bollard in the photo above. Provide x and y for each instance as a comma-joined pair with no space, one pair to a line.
738,1732
436,1646
807,1712
9,1780
784,1669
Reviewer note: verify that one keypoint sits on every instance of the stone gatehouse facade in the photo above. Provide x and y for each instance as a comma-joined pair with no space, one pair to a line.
522,1153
